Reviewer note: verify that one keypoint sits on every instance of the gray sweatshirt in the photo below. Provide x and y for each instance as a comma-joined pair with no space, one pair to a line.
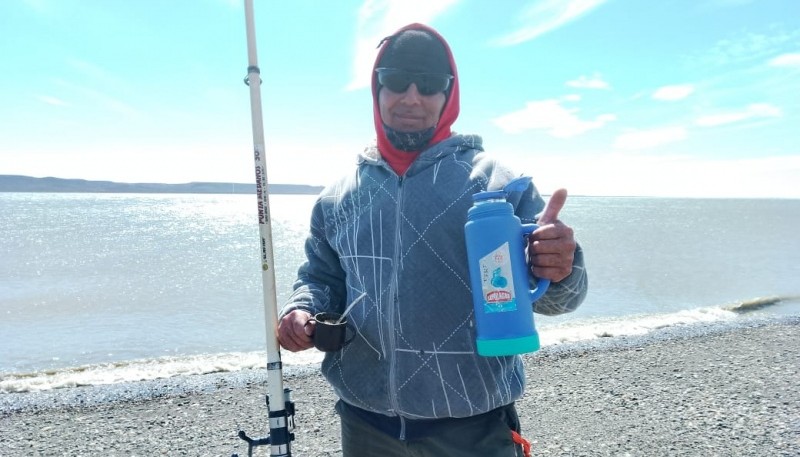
400,239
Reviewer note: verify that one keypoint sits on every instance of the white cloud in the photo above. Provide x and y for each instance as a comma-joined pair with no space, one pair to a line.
673,93
748,47
550,116
589,82
91,70
754,111
785,60
648,139
101,100
673,175
51,100
727,3
378,19
546,15
40,6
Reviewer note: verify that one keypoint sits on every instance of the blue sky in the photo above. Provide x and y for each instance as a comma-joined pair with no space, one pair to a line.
695,98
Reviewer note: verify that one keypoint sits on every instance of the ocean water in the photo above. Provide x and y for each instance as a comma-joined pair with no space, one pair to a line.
106,288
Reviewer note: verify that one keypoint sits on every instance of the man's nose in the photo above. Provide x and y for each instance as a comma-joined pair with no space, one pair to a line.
412,95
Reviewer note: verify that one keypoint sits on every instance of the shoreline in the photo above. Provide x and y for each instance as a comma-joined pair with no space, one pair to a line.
152,389
707,389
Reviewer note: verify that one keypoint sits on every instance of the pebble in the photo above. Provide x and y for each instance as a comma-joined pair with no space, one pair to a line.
714,389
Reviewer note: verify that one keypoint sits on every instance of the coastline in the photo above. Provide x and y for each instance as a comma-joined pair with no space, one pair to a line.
20,183
712,389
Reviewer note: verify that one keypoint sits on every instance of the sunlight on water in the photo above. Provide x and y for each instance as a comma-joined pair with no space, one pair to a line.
105,288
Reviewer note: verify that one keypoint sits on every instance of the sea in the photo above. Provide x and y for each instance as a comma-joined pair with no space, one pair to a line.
100,288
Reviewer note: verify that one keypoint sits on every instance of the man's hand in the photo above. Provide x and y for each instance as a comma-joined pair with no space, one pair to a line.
551,247
295,331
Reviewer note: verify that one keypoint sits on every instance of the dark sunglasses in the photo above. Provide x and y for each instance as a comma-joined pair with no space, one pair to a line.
398,81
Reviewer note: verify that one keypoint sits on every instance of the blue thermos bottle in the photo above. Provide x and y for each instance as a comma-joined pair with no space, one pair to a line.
499,274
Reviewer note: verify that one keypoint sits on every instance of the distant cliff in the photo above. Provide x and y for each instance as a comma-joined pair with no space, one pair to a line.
17,183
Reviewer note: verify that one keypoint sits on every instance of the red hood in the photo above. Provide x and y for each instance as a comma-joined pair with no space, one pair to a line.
401,160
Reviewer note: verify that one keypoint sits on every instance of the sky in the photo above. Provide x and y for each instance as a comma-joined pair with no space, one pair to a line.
680,98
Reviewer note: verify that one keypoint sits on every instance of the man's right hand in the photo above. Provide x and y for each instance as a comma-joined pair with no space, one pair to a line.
295,331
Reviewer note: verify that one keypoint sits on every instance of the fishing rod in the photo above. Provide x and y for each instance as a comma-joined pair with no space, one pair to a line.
279,401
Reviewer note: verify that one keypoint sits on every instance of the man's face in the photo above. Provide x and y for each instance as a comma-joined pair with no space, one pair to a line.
410,111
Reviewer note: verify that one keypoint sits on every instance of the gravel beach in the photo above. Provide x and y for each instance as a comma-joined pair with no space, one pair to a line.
710,390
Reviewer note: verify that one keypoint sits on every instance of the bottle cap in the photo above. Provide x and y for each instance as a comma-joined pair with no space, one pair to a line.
515,185
487,195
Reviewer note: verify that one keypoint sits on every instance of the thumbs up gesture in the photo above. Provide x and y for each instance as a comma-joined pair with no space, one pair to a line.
551,247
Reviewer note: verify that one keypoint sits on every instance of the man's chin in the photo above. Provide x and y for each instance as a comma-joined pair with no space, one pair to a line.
409,128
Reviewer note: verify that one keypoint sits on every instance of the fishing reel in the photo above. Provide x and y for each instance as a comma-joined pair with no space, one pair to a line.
281,430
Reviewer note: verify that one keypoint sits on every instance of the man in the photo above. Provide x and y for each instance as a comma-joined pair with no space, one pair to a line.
411,382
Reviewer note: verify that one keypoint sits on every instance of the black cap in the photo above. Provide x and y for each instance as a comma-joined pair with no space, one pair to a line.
416,51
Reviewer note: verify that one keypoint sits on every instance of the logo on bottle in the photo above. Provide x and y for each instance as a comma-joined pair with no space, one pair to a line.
496,281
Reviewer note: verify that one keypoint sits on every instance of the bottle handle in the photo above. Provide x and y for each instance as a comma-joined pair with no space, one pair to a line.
541,283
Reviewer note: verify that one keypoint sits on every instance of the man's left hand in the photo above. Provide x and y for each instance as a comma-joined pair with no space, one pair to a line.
551,247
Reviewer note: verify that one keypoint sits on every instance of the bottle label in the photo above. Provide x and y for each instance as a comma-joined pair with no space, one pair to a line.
497,281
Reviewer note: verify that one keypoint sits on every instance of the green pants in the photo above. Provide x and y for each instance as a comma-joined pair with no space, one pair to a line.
487,435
